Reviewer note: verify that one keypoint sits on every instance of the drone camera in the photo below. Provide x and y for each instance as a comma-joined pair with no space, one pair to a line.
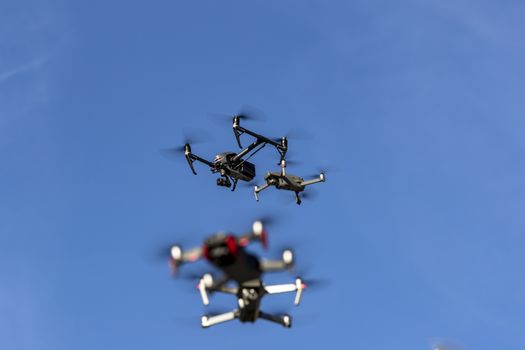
224,182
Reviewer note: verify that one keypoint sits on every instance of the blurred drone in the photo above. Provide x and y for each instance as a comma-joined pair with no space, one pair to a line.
232,166
288,182
242,272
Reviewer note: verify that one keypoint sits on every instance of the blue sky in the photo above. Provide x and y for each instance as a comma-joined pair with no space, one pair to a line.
417,104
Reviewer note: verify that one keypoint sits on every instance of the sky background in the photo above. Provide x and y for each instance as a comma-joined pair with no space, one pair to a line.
416,106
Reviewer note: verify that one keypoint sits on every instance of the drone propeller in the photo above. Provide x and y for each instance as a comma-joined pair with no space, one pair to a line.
315,282
310,283
288,197
440,345
299,320
309,194
172,152
268,219
213,311
189,137
160,253
246,112
296,134
324,170
291,161
245,184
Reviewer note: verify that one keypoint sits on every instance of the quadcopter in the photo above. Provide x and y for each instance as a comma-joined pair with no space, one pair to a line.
232,166
288,182
242,272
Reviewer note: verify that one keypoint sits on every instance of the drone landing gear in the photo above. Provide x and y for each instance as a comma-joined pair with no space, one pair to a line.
284,320
207,284
297,198
208,321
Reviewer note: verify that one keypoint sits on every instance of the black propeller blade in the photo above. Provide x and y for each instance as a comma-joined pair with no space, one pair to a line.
268,219
246,112
245,184
309,194
189,137
325,170
444,346
296,134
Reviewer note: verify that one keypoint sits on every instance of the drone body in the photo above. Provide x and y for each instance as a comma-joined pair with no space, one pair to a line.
227,253
232,166
287,182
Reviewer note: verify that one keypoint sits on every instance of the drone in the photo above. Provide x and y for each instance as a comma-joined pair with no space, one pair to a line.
242,272
288,182
233,166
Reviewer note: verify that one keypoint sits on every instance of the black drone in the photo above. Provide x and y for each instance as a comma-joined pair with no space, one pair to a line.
235,166
242,272
232,166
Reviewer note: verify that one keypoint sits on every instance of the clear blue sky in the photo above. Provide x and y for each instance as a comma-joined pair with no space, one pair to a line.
418,104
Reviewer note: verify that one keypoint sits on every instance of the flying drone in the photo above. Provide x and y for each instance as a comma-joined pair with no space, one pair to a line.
288,182
232,166
242,272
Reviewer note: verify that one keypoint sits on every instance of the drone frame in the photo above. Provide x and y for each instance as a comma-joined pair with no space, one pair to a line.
246,295
287,184
258,233
238,162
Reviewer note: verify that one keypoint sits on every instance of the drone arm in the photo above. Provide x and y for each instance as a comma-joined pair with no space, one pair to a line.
178,257
273,265
286,262
227,290
208,321
190,158
258,234
206,283
239,130
247,150
192,255
202,160
297,287
284,320
258,189
321,178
